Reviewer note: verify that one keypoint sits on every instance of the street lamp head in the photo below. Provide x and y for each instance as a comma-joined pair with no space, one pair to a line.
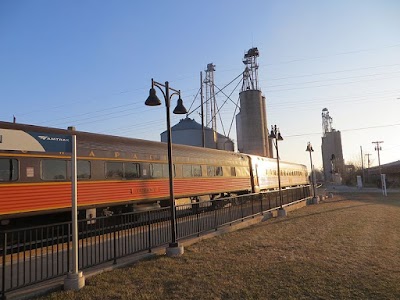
272,134
279,137
152,100
180,109
309,147
275,134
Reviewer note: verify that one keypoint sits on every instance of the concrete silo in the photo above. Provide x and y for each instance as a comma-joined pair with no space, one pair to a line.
251,122
332,153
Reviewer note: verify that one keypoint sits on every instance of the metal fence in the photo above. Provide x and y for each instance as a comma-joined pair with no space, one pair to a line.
32,255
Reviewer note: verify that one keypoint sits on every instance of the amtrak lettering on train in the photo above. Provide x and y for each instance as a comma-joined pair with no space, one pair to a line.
12,139
53,142
121,174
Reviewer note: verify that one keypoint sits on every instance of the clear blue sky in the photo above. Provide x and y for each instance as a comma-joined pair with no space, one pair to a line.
90,64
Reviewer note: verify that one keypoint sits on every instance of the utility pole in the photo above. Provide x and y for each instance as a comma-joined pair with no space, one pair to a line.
369,163
362,166
383,179
378,148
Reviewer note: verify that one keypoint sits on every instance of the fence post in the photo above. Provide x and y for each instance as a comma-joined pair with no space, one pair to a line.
269,200
3,270
215,219
230,212
149,228
198,221
68,245
115,240
241,208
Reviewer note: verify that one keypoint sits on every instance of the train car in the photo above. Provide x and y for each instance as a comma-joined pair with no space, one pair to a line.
113,172
265,174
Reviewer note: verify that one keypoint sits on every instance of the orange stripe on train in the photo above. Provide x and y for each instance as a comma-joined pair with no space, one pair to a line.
16,198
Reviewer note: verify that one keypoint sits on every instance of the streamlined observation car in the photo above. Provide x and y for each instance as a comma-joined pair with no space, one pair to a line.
265,173
35,174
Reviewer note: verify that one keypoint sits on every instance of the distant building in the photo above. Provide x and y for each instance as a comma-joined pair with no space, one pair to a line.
189,132
392,171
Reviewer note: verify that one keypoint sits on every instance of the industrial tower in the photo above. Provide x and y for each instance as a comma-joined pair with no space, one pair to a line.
250,74
211,103
326,122
251,121
332,153
189,132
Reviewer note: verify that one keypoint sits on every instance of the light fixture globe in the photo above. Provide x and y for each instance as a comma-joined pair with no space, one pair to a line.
180,109
272,135
152,100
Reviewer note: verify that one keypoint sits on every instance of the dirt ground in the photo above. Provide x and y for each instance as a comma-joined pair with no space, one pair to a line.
346,247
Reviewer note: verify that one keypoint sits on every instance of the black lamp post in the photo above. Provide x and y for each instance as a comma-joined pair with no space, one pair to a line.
310,149
153,100
275,136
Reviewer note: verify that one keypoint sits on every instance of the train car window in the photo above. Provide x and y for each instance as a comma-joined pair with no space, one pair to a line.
196,169
241,171
156,170
114,170
8,169
84,170
218,171
187,170
53,169
233,171
132,170
161,170
210,171
191,171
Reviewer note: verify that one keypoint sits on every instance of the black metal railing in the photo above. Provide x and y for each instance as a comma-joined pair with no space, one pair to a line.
32,255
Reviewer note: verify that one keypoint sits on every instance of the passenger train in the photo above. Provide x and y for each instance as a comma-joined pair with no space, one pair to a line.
118,173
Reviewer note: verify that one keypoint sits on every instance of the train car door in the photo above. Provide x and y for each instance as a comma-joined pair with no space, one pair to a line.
254,176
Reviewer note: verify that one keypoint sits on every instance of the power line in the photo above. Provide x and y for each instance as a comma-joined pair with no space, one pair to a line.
324,85
332,72
318,57
345,130
332,79
332,55
381,93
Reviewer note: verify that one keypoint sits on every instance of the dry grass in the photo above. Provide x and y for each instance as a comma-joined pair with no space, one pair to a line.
339,249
